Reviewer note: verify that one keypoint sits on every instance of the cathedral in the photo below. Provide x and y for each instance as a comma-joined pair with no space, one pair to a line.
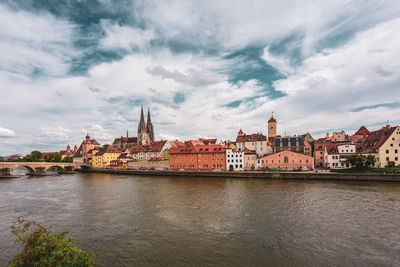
145,134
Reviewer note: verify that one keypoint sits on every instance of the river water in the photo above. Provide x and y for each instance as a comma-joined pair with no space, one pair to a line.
164,221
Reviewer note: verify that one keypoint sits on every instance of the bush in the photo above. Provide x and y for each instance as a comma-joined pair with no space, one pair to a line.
42,247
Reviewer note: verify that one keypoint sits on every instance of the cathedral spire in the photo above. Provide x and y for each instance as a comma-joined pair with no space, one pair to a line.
149,127
142,124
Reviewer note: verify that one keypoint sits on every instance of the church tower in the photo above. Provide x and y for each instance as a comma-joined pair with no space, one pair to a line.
143,133
150,129
272,127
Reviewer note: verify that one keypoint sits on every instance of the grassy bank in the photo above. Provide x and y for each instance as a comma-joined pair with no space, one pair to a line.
374,170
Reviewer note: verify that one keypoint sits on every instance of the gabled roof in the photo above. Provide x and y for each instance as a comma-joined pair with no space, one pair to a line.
377,138
157,146
272,119
362,131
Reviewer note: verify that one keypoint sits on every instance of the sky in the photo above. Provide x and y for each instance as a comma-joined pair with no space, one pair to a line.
204,68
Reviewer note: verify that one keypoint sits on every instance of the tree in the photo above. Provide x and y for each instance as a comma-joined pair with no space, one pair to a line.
370,161
33,157
360,161
42,247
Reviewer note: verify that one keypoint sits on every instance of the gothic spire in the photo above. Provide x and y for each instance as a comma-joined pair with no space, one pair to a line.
142,124
150,129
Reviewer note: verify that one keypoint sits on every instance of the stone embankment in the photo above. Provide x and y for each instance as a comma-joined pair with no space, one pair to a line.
257,174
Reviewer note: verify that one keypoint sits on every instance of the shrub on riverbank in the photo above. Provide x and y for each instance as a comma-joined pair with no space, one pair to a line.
42,247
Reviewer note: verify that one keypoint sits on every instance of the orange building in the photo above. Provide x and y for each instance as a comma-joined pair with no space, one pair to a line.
287,160
195,155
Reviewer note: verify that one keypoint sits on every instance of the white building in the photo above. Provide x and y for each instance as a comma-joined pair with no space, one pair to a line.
234,160
337,154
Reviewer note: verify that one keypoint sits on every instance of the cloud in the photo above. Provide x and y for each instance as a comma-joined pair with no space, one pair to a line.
57,133
4,132
99,133
124,37
34,44
329,65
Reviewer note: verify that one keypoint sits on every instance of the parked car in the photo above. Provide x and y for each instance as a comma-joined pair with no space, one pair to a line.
152,169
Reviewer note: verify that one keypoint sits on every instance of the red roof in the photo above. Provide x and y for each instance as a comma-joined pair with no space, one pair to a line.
377,138
194,146
362,131
157,146
272,119
251,138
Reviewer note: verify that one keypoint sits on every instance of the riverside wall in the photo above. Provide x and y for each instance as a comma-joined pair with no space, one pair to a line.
256,174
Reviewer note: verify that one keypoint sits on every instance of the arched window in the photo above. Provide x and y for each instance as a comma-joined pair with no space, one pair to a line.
286,159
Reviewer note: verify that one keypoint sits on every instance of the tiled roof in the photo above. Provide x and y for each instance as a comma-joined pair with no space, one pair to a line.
251,138
272,119
377,138
362,131
107,149
157,146
194,146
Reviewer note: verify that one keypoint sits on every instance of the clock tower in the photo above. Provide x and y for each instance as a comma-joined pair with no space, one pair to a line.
272,127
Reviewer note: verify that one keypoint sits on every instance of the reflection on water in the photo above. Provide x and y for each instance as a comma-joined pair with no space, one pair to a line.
228,222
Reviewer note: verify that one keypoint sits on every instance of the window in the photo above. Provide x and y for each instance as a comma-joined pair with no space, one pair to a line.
213,165
387,158
387,151
279,161
285,159
391,145
272,161
300,161
395,151
396,159
306,160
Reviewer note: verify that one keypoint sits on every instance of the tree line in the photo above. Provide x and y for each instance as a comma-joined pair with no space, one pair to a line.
36,156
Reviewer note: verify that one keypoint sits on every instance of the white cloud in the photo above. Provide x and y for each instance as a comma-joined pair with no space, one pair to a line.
32,43
57,133
99,133
124,37
4,132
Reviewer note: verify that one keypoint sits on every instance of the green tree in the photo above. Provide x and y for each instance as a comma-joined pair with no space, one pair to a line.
370,161
360,161
42,247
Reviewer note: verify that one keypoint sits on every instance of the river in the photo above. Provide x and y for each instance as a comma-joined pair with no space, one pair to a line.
156,221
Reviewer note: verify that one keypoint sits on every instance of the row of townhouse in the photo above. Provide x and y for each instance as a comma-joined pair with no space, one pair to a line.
383,144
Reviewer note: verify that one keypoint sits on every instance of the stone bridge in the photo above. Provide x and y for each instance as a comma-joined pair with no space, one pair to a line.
36,168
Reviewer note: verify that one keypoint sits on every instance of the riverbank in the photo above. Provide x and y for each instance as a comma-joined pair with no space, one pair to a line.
379,177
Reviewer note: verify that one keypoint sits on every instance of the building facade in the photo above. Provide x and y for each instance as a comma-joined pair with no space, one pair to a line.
195,155
257,142
287,160
234,160
104,156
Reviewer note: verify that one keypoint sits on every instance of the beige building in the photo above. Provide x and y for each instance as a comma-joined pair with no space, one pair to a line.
156,164
250,158
384,144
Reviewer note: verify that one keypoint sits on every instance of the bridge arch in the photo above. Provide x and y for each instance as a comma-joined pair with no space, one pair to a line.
29,169
55,168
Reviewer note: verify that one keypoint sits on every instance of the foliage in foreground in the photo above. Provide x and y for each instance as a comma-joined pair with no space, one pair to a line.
42,247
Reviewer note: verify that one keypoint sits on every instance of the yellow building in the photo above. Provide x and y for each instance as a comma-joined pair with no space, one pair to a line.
104,156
